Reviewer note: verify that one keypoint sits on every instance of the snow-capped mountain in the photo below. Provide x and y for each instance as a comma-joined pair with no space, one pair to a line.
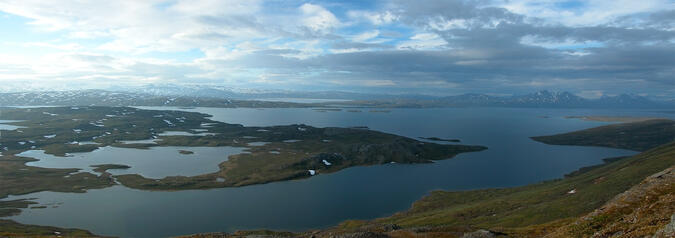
546,98
553,99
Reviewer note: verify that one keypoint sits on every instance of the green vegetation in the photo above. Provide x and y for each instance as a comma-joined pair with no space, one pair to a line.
639,136
321,150
10,228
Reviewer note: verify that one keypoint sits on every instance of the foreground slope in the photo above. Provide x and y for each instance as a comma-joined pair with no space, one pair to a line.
533,210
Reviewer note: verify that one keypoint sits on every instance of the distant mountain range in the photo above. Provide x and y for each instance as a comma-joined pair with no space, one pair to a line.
255,94
223,97
553,99
108,98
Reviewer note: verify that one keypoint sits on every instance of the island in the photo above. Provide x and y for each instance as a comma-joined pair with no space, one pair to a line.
623,119
440,139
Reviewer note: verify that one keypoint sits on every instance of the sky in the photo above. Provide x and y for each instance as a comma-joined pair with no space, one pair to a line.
446,47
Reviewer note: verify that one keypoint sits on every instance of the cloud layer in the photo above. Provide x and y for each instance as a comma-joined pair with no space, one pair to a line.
433,47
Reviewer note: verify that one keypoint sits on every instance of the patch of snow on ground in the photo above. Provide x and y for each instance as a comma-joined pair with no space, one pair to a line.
50,136
311,172
326,162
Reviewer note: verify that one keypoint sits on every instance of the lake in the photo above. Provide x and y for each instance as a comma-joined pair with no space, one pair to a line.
155,162
355,193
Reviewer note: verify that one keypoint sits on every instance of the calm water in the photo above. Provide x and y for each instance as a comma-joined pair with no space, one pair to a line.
8,127
356,193
155,162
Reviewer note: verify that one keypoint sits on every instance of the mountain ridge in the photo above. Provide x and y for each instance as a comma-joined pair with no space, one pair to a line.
214,97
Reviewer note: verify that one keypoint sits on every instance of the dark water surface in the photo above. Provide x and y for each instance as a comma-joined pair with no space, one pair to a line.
356,193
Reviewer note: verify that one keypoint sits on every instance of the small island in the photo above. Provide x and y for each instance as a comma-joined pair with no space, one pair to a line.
440,139
622,119
102,168
185,152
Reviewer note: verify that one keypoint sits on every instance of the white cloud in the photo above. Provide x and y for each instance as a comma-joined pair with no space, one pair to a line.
423,41
375,18
365,36
318,19
240,42
588,13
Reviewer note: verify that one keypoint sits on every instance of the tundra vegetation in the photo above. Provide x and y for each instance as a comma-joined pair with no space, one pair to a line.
291,151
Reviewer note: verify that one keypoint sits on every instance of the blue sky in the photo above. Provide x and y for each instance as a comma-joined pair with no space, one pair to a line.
447,47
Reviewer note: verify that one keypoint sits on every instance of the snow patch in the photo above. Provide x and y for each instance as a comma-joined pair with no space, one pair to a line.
168,122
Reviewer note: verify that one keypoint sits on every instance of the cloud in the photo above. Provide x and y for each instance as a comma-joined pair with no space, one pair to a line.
428,46
318,19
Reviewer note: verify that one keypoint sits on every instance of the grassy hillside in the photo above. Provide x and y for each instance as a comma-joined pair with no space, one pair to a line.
12,229
641,211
